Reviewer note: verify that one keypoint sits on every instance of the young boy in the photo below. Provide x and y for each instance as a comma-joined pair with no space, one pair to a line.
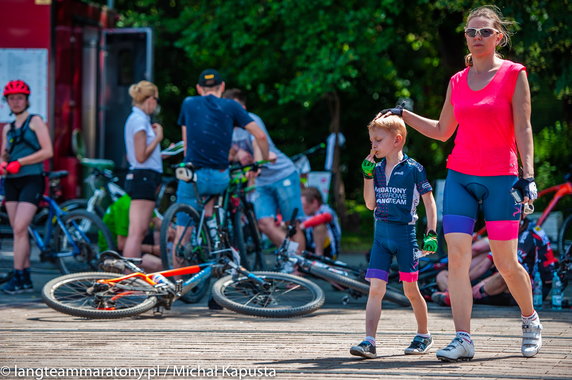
392,189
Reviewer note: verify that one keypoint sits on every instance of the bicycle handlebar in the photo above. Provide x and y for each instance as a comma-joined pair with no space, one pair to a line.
309,151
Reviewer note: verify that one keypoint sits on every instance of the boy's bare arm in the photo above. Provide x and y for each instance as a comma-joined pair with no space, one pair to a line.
369,194
430,210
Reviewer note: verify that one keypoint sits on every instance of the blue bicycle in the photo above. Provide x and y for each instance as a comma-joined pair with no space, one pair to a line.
68,239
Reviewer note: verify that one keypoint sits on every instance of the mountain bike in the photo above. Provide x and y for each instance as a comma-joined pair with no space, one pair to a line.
195,243
109,296
341,275
69,239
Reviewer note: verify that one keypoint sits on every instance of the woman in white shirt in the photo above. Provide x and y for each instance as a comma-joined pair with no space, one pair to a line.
145,166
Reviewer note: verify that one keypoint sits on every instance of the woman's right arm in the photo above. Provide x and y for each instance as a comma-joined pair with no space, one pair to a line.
441,129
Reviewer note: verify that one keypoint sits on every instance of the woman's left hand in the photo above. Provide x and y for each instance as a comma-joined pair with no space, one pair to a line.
158,129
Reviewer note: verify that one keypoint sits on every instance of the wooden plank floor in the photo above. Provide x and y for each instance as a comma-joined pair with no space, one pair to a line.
192,342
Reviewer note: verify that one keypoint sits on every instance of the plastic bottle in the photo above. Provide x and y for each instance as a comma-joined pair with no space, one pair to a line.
556,292
160,279
537,292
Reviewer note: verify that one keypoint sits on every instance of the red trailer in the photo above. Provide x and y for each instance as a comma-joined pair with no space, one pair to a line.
79,67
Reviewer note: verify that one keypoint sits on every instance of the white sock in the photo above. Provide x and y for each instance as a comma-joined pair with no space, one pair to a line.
370,339
465,336
428,335
532,320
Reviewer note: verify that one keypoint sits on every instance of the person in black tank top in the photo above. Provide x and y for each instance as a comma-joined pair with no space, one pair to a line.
25,145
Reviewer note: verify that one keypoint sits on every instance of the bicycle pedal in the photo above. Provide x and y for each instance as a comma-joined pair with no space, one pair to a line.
158,311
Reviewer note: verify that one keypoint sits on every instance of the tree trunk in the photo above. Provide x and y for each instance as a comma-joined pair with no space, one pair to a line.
337,182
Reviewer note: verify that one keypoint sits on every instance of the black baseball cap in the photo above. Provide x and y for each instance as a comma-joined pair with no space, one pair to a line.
210,78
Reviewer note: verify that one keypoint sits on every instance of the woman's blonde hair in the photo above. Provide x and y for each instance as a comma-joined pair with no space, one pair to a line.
493,13
139,92
392,123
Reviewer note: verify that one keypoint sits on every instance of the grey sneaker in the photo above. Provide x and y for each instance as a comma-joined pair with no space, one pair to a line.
365,349
458,349
531,340
419,345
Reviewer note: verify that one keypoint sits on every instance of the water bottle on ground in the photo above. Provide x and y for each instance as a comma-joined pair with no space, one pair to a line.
213,231
556,292
537,291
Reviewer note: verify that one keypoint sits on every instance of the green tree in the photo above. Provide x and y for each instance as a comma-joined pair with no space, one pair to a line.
321,66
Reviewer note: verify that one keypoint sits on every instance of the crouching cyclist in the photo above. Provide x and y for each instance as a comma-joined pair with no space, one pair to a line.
320,225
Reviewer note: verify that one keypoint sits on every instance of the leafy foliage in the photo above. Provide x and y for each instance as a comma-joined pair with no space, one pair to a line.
290,54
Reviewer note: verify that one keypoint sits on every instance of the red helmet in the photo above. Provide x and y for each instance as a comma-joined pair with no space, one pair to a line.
16,87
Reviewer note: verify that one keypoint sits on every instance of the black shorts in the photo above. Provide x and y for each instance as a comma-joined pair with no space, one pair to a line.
29,188
142,184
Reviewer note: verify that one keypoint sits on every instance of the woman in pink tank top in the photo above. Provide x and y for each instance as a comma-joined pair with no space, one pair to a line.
488,105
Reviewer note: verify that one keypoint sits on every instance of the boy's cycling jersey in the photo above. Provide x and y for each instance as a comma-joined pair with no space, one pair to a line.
209,122
485,144
396,198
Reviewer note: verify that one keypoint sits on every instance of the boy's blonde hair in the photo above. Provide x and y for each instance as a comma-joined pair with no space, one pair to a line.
392,123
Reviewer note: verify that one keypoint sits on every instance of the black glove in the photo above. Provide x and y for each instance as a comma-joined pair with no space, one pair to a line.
524,187
394,111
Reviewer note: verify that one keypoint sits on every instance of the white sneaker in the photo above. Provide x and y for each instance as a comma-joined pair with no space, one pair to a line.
458,349
531,340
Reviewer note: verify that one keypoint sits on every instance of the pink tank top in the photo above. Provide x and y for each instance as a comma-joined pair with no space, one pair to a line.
485,144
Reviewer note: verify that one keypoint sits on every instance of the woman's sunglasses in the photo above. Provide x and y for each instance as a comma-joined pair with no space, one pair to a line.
484,32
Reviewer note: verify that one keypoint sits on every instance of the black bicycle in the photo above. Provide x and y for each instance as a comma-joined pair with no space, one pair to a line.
186,240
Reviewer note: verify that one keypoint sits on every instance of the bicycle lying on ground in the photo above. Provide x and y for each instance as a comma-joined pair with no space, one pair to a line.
110,296
69,239
341,275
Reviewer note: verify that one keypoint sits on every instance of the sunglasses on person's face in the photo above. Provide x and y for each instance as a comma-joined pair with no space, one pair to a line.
484,32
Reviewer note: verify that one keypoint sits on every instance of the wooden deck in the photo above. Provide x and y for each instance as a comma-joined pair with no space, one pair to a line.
192,342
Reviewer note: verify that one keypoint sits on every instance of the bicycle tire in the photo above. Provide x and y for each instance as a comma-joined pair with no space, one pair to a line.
256,238
565,236
74,294
359,286
246,241
80,224
185,251
246,296
80,204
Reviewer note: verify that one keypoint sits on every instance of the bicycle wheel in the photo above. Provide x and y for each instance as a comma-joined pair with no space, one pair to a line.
189,249
246,237
565,236
80,295
282,295
76,247
80,204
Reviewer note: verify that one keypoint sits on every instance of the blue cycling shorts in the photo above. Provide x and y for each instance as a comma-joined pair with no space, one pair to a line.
463,196
394,239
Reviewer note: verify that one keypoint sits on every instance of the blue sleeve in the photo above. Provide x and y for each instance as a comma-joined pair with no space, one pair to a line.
423,185
182,117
